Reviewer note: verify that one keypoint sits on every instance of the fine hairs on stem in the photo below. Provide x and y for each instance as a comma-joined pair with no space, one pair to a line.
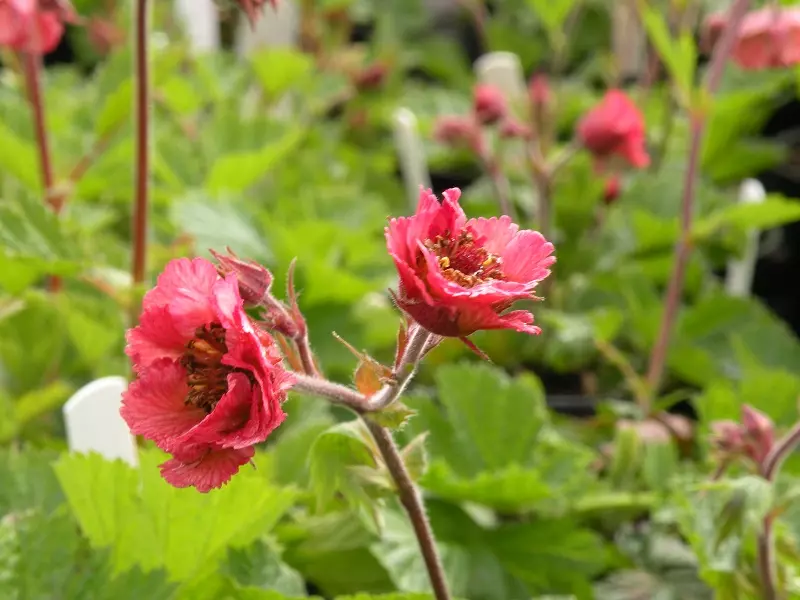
312,382
142,157
672,297
766,544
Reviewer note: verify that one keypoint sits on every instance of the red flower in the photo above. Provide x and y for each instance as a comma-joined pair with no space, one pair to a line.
768,38
615,127
457,275
489,104
31,26
209,383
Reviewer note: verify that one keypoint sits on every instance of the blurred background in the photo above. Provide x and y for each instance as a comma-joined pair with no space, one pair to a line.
548,473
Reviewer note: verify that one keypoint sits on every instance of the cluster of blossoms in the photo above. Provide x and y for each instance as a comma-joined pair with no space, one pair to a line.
613,131
753,438
210,381
768,38
34,26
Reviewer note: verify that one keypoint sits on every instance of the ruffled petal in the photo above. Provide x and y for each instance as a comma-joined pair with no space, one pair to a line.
493,234
470,321
527,257
212,470
155,337
154,405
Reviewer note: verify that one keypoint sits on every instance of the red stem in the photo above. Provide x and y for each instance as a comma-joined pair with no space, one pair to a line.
142,165
32,65
658,356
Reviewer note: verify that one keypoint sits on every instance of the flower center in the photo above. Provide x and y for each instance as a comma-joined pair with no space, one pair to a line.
206,376
464,262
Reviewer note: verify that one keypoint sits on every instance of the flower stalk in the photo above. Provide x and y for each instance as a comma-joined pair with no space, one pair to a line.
142,157
31,67
683,250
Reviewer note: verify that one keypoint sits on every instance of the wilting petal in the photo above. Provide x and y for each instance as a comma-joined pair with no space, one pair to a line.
154,405
212,470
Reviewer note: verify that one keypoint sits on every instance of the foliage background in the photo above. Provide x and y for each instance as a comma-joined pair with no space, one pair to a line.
524,502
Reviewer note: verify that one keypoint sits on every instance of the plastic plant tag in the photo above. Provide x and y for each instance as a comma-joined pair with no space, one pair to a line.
94,424
411,152
502,70
201,23
739,278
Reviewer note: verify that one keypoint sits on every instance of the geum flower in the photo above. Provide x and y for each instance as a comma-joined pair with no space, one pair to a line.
210,383
34,26
458,276
614,129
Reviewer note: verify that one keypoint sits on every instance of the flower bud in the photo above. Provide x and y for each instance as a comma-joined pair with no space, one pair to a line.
254,279
371,77
759,433
540,94
612,190
455,130
512,129
727,437
489,104
252,8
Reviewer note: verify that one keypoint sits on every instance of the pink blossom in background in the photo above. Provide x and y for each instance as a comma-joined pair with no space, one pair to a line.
615,128
252,8
456,130
209,384
458,276
489,104
34,26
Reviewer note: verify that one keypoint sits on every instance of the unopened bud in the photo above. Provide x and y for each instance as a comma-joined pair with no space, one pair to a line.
489,104
252,8
512,129
759,433
371,77
611,190
727,437
457,131
254,279
539,91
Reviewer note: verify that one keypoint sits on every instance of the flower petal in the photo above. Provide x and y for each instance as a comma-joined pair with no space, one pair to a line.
155,337
527,257
154,405
493,234
212,470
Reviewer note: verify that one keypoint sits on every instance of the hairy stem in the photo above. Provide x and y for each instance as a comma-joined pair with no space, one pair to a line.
766,544
412,503
672,297
335,392
32,66
415,348
142,158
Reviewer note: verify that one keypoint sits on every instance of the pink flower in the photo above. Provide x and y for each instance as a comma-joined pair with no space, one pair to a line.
488,104
209,383
457,275
768,38
510,128
615,127
33,26
539,91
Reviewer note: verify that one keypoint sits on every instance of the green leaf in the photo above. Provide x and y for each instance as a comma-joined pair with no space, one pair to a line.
511,489
395,416
215,224
331,458
495,419
679,54
279,69
147,522
660,465
30,230
32,405
550,556
415,456
260,565
553,14
773,212
235,172
18,157
115,109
